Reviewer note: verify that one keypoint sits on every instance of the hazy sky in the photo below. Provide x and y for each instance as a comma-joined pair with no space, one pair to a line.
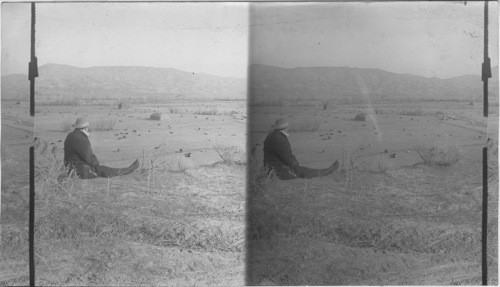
195,37
423,38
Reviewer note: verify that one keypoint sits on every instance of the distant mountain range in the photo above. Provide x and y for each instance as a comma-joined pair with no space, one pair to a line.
265,82
342,82
119,82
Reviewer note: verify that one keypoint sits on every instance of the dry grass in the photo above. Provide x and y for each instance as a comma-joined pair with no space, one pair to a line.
443,155
99,223
230,154
410,212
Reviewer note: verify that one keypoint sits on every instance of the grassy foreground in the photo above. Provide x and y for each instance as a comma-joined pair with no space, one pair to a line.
152,227
415,225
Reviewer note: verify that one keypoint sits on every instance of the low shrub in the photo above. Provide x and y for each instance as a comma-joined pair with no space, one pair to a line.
446,155
360,117
230,154
155,117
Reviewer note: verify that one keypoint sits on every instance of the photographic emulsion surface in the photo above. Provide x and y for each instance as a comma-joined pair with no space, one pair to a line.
249,143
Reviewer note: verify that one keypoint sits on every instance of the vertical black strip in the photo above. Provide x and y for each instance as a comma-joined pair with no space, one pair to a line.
32,218
32,72
486,73
485,217
32,64
485,100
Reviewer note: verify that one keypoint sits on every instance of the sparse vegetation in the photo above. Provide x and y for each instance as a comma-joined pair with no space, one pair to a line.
230,154
155,117
360,117
316,215
444,155
103,223
212,111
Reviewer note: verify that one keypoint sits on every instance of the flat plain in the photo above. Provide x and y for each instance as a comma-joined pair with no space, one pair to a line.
404,208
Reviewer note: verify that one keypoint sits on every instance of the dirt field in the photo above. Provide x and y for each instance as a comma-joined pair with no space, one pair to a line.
386,218
178,220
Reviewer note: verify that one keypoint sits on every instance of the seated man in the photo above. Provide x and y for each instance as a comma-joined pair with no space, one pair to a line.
278,156
78,155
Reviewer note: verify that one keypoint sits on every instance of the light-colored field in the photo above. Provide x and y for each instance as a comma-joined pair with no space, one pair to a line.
386,218
133,133
179,220
17,136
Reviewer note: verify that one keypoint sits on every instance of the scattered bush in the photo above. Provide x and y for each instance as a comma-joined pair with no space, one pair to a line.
155,117
447,155
360,117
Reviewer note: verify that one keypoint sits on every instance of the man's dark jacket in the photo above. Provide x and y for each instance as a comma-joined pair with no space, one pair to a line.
77,151
278,153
